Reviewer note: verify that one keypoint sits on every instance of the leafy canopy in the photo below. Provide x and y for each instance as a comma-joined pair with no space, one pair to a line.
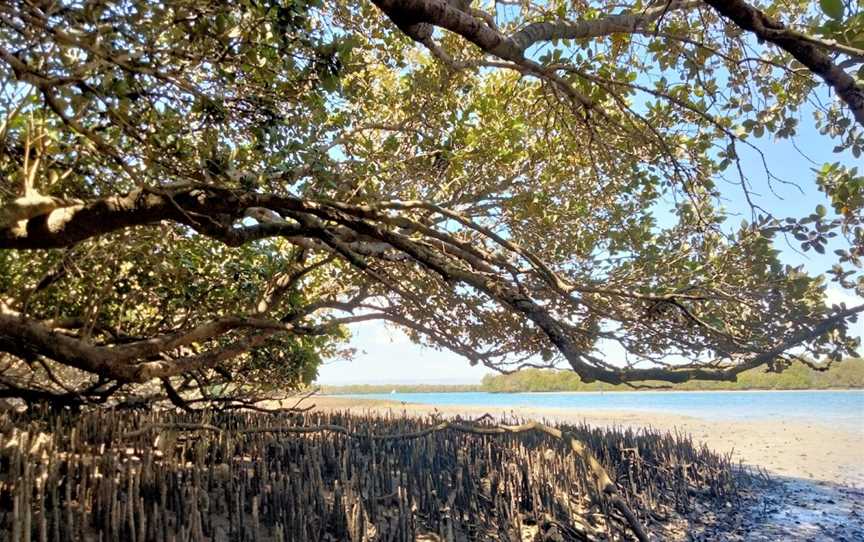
200,196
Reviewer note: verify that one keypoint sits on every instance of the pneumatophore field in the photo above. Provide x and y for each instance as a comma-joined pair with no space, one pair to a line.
162,476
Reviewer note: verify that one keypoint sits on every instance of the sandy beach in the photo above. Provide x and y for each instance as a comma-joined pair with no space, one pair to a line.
818,467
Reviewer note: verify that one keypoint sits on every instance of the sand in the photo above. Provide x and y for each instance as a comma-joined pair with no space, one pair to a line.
818,467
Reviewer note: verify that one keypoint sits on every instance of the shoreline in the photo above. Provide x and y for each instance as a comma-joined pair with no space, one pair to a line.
753,390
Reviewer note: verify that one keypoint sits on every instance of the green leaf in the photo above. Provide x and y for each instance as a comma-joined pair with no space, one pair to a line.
832,8
821,210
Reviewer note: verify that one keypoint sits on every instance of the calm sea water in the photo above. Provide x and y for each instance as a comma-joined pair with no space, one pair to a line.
842,407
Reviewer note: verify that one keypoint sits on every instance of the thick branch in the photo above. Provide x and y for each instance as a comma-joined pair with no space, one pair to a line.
803,50
201,207
28,338
613,24
411,15
406,13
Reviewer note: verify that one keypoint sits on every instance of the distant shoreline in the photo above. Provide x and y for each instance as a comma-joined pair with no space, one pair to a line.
845,375
331,393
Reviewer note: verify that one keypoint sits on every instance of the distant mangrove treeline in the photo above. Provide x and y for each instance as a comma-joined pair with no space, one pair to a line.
398,388
848,374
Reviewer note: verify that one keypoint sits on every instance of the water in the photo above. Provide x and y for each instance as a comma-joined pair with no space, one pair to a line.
841,407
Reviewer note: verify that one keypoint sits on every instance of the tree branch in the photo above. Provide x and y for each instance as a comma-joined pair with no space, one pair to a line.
626,23
804,50
337,225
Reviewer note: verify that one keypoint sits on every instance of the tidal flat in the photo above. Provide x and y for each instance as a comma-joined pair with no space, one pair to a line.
815,467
